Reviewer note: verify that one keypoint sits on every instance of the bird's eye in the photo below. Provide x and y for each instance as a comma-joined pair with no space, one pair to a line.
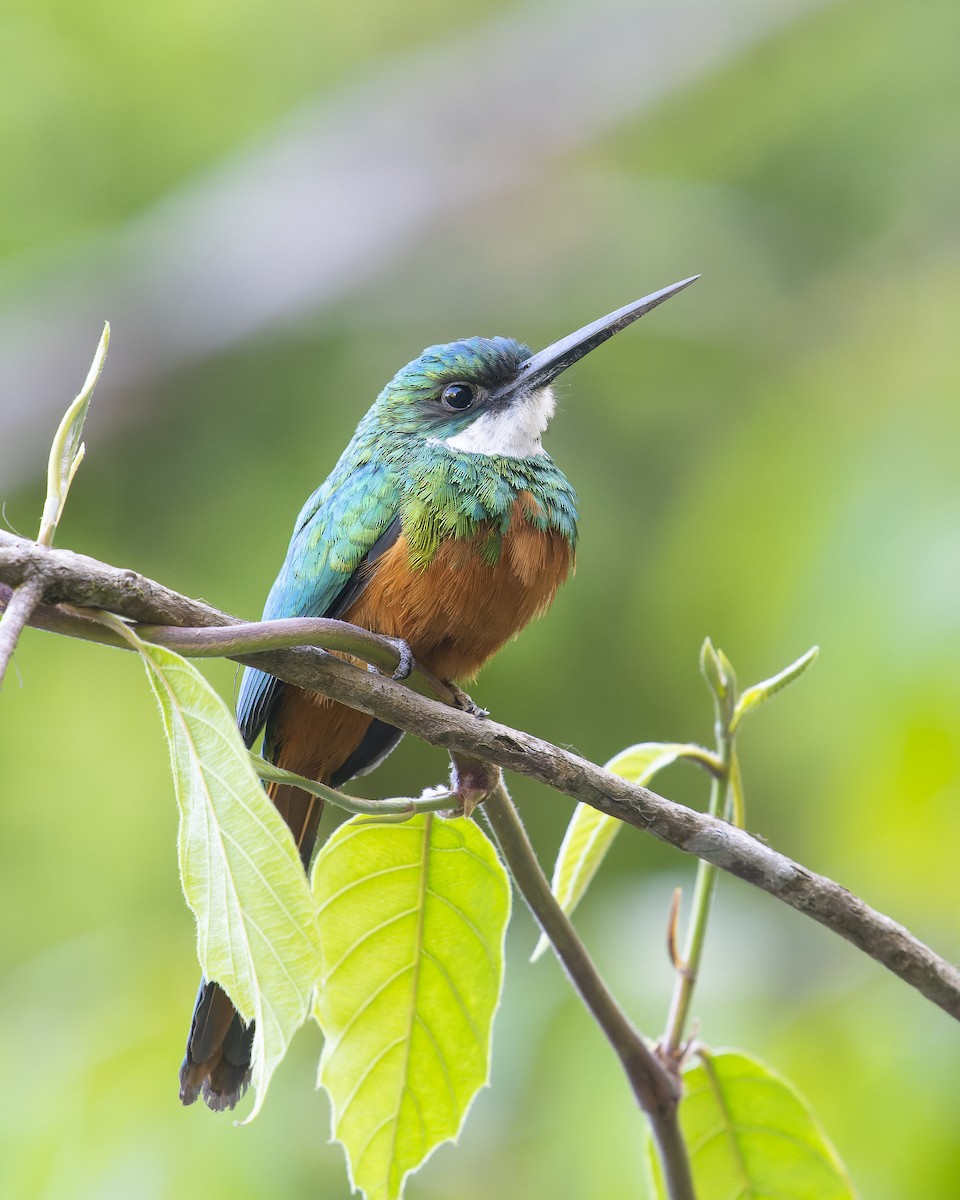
458,396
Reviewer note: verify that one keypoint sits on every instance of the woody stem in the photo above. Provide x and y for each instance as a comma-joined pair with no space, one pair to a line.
653,1085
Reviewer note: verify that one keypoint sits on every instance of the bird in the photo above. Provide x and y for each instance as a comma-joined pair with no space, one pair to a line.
445,524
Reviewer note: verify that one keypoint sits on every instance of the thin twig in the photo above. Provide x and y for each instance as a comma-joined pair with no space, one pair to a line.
403,807
15,617
722,683
688,972
76,579
656,1089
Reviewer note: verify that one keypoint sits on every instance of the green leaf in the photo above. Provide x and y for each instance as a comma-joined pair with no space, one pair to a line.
712,670
756,695
66,451
590,833
240,870
412,921
750,1134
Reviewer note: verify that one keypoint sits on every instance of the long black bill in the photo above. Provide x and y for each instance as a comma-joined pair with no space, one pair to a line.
541,368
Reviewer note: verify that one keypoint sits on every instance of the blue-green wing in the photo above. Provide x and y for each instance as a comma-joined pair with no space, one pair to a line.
344,525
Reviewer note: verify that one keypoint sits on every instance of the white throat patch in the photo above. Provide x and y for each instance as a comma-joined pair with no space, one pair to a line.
514,432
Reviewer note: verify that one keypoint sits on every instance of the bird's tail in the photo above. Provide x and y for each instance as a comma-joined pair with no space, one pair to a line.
216,1065
217,1062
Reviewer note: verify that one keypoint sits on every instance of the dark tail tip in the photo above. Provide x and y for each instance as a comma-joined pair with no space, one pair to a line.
216,1065
189,1089
222,1085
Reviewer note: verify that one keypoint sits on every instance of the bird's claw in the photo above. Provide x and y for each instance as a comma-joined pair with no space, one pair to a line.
462,701
405,663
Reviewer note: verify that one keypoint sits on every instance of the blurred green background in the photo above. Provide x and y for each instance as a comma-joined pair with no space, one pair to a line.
278,205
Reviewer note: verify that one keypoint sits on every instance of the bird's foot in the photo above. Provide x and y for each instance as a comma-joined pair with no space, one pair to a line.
462,701
405,659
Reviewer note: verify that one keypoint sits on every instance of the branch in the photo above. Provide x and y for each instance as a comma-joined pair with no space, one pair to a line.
75,579
657,1090
18,608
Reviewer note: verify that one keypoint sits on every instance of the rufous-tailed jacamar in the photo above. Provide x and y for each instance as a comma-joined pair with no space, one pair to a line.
445,523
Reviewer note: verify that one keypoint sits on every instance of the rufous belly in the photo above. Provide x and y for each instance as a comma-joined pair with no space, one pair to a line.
454,614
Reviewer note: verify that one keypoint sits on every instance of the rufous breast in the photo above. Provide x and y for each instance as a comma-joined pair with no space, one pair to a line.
459,610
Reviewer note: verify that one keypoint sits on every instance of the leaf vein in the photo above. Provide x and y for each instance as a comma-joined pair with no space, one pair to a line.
368,1000
441,1059
367,1072
365,937
351,884
461,913
457,995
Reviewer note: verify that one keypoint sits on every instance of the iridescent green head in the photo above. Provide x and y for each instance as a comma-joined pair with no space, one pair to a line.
456,395
492,396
